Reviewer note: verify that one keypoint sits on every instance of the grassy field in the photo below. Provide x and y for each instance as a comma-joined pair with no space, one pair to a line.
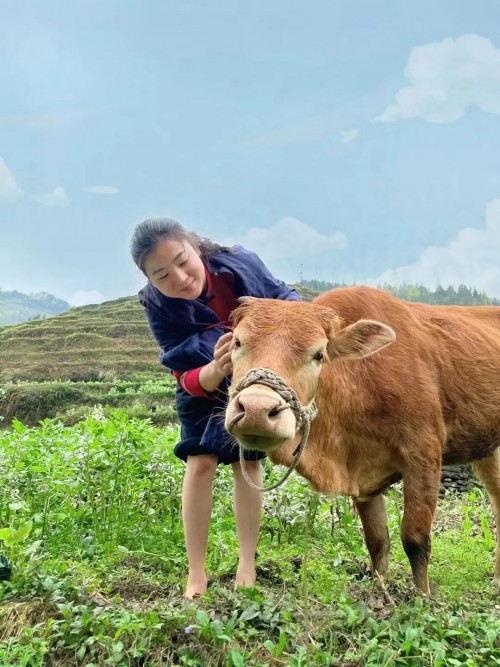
94,355
90,520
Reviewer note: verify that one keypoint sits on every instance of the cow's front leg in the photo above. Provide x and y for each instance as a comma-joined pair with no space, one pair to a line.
421,492
374,519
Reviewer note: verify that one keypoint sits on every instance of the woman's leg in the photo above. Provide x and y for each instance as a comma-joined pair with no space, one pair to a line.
196,511
247,509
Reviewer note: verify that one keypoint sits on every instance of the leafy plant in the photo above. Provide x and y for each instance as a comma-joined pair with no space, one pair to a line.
91,523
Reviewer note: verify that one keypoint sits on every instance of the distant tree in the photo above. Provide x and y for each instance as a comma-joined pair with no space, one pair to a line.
321,285
460,296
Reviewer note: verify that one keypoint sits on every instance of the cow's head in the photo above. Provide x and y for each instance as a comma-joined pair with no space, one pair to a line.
295,340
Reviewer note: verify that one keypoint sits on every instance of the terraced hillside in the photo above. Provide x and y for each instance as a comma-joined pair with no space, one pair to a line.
106,341
87,343
102,355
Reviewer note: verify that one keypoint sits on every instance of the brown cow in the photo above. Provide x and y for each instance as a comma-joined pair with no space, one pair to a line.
431,397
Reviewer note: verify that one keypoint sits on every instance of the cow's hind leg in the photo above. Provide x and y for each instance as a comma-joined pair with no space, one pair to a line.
488,471
374,520
421,491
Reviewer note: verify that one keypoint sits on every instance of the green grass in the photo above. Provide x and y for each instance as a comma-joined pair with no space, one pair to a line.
90,517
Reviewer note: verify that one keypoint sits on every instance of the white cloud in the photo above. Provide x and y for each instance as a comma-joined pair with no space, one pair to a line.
472,258
57,197
446,79
101,190
348,136
10,191
289,238
82,298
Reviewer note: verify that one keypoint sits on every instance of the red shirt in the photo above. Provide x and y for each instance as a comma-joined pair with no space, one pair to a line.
222,300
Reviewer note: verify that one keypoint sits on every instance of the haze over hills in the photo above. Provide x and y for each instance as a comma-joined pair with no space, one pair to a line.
16,307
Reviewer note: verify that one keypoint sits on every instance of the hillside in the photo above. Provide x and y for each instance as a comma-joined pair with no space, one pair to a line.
108,340
16,307
102,355
86,343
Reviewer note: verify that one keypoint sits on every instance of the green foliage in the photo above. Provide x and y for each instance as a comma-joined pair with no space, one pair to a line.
446,296
321,285
90,519
32,403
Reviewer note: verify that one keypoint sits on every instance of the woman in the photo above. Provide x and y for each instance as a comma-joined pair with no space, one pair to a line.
193,285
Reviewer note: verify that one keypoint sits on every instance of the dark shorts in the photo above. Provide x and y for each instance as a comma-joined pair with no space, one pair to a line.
203,432
224,453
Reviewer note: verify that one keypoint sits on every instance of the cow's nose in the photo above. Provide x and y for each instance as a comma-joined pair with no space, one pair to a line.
259,419
257,408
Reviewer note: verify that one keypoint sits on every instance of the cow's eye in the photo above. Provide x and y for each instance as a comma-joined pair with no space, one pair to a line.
236,343
320,356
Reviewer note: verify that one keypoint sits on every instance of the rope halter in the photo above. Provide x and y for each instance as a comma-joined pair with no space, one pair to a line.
304,415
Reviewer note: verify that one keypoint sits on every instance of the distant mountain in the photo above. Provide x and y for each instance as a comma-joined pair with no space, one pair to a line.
16,307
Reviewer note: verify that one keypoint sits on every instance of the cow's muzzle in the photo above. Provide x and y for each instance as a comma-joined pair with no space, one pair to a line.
256,436
259,415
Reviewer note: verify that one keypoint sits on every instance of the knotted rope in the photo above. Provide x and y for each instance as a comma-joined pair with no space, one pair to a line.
304,415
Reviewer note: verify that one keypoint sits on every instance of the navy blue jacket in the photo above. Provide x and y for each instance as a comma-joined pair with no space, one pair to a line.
187,331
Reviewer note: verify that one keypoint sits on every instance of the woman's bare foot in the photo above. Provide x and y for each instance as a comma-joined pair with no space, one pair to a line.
197,585
245,577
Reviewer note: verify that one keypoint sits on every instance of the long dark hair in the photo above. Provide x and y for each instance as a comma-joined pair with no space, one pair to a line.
148,233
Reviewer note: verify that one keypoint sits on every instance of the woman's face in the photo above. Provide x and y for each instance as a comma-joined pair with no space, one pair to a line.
175,269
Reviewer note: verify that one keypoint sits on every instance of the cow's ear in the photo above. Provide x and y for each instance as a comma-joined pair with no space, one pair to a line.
359,340
246,299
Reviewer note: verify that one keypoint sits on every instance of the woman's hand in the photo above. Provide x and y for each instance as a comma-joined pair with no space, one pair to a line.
213,373
222,354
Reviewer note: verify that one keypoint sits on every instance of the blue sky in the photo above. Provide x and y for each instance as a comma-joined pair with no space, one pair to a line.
357,140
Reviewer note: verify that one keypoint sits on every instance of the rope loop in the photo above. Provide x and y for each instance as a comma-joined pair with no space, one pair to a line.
304,415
